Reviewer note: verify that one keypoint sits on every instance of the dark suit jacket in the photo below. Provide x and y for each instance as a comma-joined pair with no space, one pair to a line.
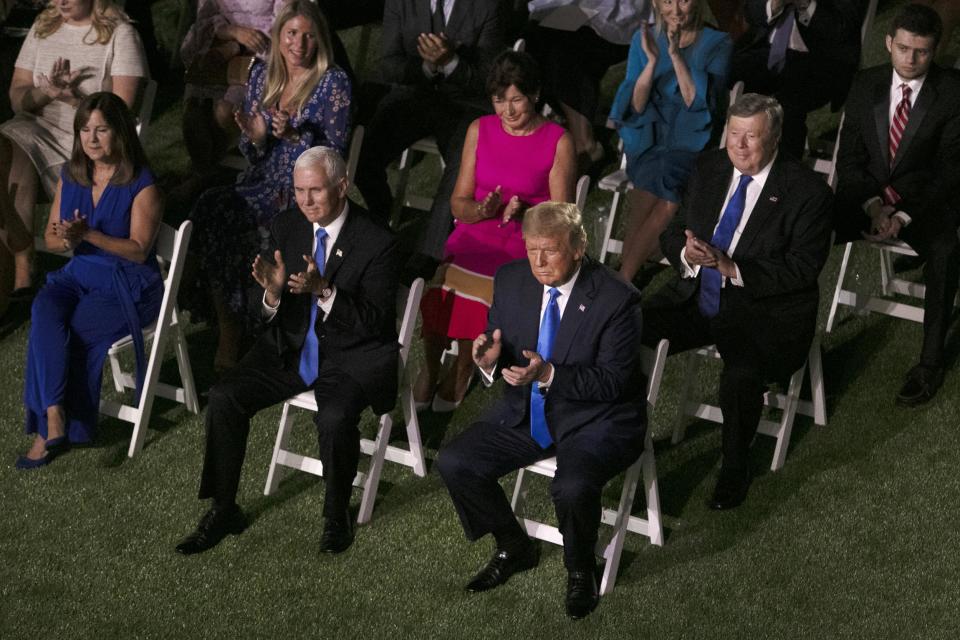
832,38
359,336
475,26
926,169
596,384
784,245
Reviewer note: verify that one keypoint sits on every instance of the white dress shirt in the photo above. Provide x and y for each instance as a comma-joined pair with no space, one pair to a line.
565,290
431,70
896,95
803,17
754,187
333,232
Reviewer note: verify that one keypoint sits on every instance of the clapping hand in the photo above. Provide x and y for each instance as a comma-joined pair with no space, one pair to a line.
61,82
252,39
309,281
699,252
435,48
487,208
649,43
253,125
486,350
673,37
536,370
280,125
513,209
270,276
883,224
71,231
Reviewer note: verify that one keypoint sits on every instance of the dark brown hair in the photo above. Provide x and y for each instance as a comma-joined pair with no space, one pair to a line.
514,68
127,150
920,20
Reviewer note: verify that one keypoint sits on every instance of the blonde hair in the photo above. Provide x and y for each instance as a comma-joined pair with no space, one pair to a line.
104,18
277,77
697,15
551,219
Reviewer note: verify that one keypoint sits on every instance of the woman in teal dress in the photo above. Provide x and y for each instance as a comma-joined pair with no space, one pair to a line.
107,212
667,110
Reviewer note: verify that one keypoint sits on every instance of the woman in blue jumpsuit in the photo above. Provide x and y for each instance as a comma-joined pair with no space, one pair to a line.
107,211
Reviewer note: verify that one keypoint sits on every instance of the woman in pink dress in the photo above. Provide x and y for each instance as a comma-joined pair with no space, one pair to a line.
511,160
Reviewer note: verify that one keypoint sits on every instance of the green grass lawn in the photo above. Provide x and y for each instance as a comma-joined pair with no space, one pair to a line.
855,538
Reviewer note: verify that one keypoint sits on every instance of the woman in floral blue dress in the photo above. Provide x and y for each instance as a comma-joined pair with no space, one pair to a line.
296,100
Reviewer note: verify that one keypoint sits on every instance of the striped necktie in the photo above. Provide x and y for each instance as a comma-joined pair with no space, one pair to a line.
900,117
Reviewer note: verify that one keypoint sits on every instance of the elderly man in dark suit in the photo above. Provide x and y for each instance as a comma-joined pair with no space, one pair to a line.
330,327
803,53
564,333
436,54
749,240
898,173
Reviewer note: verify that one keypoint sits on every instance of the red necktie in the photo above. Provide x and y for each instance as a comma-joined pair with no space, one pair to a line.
897,127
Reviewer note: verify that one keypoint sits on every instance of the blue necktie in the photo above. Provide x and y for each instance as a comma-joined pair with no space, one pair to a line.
310,352
710,278
548,331
781,39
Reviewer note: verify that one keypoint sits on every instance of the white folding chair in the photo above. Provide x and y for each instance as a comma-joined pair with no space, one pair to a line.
788,403
618,183
619,519
171,248
580,197
146,108
378,449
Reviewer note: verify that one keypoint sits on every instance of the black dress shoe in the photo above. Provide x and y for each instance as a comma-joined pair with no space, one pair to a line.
337,534
731,489
920,386
214,526
583,593
503,565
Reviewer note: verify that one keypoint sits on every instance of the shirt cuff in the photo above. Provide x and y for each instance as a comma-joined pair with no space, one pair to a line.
688,271
327,304
429,70
450,67
736,280
545,386
486,378
869,203
266,311
903,218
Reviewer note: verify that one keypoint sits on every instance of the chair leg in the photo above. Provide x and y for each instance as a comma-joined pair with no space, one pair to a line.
652,488
116,372
186,373
839,288
283,434
614,548
519,500
403,177
413,432
786,419
817,391
608,230
372,481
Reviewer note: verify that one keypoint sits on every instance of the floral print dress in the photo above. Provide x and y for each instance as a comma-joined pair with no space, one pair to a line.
231,223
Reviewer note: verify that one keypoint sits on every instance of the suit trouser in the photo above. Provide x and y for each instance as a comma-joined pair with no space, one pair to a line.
473,462
935,241
403,116
748,365
260,381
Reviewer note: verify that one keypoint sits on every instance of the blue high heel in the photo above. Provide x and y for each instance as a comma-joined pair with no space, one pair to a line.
57,445
23,462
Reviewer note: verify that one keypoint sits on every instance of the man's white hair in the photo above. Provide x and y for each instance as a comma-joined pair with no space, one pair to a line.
325,157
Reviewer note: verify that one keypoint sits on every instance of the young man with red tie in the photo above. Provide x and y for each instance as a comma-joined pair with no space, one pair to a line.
898,172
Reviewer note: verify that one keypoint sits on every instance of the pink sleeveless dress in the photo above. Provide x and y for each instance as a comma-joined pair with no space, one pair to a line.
521,166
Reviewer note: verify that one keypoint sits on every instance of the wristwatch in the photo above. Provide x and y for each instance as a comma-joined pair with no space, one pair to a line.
325,293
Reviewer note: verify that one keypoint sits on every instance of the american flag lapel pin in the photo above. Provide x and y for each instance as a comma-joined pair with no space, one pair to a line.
339,253
774,199
583,308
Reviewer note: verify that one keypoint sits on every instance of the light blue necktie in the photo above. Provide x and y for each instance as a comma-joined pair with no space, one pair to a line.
548,331
710,278
310,352
781,39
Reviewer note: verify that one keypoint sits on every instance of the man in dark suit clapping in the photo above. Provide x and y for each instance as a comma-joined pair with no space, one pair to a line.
749,240
330,327
564,333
